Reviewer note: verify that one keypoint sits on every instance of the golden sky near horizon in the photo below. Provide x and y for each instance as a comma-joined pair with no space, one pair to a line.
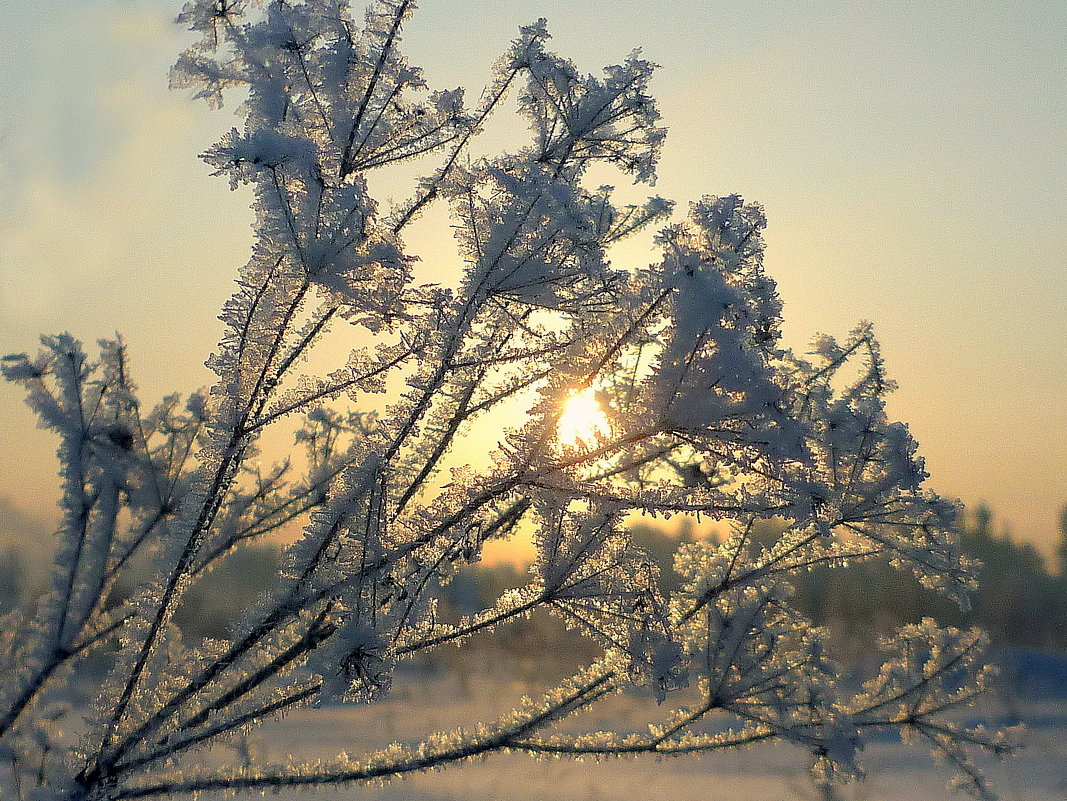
909,157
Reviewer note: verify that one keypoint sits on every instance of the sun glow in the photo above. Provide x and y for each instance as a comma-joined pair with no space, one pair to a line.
583,422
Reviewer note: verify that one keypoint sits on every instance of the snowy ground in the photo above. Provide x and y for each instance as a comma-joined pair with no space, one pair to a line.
775,773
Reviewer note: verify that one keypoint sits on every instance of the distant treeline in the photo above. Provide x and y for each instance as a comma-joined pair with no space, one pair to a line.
1022,603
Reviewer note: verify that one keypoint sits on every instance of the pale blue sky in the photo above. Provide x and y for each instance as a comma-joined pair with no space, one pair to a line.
910,157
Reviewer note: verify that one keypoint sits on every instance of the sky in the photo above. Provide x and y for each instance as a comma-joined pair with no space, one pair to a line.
909,156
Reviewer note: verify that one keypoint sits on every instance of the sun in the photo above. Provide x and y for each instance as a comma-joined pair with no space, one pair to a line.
583,422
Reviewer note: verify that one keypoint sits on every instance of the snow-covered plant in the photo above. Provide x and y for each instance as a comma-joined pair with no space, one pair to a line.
698,410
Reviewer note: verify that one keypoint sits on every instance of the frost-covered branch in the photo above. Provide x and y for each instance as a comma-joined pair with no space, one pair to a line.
697,409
